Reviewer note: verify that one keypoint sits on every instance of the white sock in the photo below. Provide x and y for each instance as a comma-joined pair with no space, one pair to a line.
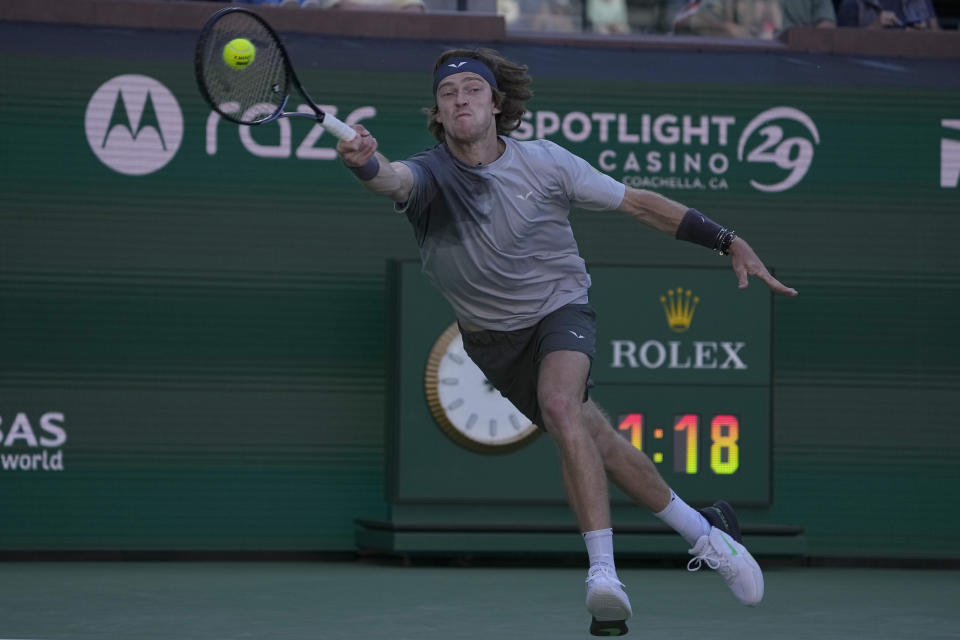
684,519
600,547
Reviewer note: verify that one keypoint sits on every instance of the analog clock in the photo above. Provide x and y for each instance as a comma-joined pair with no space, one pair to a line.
466,405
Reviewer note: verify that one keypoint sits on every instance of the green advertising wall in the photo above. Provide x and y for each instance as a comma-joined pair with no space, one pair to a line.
193,317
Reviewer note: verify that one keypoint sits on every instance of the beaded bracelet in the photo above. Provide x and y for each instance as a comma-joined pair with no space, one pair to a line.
724,241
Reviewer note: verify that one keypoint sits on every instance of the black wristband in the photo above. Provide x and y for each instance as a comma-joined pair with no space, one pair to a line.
368,171
699,229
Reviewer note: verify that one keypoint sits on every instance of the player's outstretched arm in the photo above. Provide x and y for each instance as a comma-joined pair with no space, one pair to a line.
653,209
393,180
683,223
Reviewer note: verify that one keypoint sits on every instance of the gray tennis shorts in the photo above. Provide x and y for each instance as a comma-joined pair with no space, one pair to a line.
511,359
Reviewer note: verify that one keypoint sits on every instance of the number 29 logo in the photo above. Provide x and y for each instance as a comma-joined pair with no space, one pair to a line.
792,154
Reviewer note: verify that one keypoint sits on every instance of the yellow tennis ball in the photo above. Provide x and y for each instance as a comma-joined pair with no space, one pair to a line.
239,53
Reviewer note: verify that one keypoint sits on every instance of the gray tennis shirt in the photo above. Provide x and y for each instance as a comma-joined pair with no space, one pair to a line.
496,239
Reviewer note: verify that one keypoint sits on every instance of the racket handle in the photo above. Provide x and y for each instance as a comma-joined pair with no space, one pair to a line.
338,128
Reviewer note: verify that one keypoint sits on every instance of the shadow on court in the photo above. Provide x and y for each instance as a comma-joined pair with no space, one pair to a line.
350,600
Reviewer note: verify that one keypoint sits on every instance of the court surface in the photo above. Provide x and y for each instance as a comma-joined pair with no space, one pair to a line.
384,601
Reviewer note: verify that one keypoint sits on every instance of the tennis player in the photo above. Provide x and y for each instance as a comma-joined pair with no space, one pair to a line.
490,214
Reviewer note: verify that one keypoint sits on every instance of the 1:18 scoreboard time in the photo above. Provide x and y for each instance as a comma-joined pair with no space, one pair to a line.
683,369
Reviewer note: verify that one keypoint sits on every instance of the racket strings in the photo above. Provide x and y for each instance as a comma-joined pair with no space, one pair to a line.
251,94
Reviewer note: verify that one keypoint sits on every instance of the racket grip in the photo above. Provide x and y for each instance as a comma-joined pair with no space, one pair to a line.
338,128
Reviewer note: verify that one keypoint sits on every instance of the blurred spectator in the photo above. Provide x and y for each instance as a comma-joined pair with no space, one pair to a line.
608,16
553,15
809,13
674,10
756,18
510,10
380,5
737,18
284,3
680,23
887,14
417,6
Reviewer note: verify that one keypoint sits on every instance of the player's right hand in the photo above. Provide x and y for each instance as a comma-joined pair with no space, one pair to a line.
358,151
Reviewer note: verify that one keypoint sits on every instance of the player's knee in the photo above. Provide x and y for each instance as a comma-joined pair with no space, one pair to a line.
561,412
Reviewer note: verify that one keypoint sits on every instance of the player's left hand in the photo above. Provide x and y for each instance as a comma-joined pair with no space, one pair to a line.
746,263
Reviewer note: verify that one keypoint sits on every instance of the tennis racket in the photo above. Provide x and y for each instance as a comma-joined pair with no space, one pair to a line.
257,93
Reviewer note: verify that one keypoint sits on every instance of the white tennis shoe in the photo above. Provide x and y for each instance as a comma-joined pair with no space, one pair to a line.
606,600
732,561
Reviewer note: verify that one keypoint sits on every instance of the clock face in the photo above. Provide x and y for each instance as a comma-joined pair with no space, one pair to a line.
466,405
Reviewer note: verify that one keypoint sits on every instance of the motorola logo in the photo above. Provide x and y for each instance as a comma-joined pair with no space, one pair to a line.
134,124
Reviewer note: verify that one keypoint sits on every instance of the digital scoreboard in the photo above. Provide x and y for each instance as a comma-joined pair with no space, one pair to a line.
682,369
724,437
707,442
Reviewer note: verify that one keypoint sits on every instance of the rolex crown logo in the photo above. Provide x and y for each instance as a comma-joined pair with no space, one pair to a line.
679,305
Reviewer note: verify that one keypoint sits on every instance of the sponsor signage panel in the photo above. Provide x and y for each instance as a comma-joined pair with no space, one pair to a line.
682,369
128,206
